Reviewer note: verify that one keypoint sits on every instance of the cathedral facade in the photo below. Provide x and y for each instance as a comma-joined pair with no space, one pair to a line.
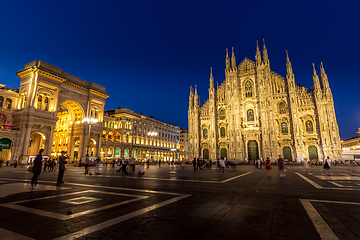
256,113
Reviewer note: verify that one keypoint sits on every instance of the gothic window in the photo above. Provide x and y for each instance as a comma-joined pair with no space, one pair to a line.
284,128
8,103
282,108
309,126
222,132
205,133
1,101
222,114
250,115
248,89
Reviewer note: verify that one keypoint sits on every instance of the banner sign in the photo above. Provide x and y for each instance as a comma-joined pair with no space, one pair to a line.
5,143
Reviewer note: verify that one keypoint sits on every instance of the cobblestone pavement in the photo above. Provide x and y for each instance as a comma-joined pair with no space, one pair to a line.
175,203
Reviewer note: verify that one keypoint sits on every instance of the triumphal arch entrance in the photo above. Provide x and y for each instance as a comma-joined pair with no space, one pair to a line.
58,112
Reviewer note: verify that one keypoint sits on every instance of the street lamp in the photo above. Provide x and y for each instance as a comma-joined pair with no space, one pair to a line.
90,121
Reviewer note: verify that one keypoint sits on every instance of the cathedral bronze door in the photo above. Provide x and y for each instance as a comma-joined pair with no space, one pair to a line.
287,153
253,150
313,154
206,154
223,153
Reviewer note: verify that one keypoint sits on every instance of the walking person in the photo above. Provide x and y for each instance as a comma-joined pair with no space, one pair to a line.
97,165
87,165
327,166
281,164
36,169
62,163
221,166
259,164
194,164
198,164
268,166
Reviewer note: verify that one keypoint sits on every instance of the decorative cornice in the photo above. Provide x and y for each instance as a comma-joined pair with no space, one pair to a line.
54,76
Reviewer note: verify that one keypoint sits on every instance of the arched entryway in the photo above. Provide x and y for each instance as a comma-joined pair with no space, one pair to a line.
253,150
287,153
206,153
37,142
313,153
70,115
223,153
5,149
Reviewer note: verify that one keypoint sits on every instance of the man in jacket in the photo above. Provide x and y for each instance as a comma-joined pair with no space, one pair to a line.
62,162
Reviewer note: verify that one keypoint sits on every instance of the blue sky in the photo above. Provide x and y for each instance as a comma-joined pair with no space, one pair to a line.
148,53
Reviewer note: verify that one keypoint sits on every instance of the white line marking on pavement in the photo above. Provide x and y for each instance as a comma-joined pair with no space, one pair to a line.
14,205
9,235
117,220
227,180
336,184
309,181
323,229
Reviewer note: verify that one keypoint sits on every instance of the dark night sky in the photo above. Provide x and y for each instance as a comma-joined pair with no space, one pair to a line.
148,53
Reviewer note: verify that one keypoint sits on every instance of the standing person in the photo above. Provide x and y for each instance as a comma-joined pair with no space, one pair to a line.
259,164
159,162
87,164
198,164
281,164
23,162
327,166
97,165
36,169
268,165
194,164
15,164
62,162
221,166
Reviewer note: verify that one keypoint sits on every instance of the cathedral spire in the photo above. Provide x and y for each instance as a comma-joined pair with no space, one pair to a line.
323,77
227,60
211,79
258,54
288,65
233,60
191,98
316,80
265,54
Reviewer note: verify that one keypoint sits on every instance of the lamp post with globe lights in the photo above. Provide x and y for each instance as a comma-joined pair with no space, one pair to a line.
90,122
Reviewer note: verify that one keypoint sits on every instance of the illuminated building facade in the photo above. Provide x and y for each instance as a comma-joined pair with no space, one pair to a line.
256,113
184,145
48,111
130,134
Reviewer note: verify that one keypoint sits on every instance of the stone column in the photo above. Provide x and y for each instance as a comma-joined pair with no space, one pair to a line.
48,143
25,146
98,146
71,144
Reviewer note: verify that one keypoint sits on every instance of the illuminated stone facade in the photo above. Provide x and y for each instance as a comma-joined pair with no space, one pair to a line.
256,113
130,134
60,112
184,154
48,112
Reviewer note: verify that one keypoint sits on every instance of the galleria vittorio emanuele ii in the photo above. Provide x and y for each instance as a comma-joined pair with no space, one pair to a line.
256,113
59,112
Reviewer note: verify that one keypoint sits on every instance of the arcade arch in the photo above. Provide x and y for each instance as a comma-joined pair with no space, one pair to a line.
70,115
